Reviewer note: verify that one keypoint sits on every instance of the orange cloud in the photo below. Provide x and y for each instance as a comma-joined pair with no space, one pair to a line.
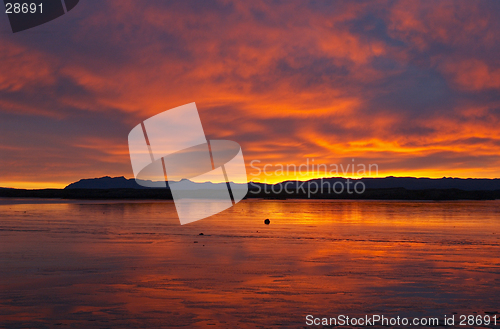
412,87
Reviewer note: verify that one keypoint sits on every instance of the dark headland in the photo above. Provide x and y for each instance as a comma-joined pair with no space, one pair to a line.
388,188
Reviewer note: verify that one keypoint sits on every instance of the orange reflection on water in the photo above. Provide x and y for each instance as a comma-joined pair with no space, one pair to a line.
132,265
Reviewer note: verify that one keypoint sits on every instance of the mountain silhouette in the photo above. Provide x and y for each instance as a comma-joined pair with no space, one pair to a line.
388,188
124,183
105,183
409,183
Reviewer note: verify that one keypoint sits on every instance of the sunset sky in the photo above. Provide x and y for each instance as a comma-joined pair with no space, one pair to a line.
413,86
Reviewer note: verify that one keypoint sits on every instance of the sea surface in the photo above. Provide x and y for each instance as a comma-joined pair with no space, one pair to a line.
81,264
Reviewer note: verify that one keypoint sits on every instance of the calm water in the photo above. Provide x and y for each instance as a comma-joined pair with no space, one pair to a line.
131,265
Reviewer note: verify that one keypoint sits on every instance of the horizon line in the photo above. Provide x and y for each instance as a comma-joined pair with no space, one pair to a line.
46,185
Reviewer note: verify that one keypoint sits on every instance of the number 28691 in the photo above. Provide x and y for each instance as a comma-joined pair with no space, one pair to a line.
23,8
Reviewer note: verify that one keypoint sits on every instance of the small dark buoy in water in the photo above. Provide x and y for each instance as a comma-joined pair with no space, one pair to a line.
267,222
200,234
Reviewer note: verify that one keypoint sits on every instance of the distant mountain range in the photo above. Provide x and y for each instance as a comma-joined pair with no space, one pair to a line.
124,183
105,183
388,188
409,183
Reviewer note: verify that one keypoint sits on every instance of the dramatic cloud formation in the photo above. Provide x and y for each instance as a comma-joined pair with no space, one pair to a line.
411,86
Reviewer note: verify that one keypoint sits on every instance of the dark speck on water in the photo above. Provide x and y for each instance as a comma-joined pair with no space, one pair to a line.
267,222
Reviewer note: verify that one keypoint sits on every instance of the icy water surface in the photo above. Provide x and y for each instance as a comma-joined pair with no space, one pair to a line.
131,265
